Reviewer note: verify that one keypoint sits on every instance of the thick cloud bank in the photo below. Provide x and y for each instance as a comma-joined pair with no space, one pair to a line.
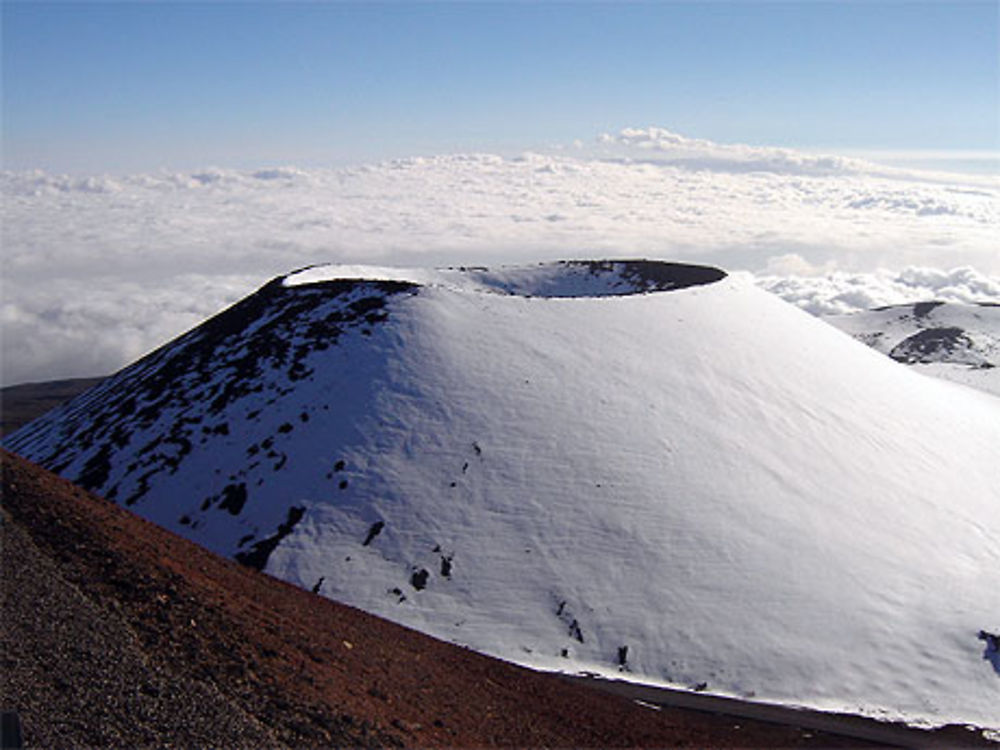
98,270
663,146
839,293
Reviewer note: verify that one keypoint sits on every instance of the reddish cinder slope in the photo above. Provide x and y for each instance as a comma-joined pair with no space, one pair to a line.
166,643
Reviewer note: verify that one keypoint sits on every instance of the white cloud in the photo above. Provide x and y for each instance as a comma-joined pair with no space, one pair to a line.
68,328
702,154
840,292
665,147
100,269
793,264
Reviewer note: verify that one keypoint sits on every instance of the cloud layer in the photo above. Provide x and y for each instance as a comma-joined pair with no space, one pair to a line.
841,292
663,146
98,270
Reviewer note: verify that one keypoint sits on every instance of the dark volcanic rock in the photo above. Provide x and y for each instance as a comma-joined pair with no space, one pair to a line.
251,347
931,345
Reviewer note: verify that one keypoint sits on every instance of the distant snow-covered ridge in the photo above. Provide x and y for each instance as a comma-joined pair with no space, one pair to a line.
947,340
588,466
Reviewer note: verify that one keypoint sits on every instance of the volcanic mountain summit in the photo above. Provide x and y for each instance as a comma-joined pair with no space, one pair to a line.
630,468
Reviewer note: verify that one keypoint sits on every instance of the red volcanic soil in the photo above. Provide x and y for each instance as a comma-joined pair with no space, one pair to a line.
116,633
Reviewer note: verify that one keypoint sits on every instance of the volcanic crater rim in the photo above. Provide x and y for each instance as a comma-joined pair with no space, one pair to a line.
564,279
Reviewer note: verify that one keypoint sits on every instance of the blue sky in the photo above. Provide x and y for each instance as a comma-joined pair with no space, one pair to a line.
138,86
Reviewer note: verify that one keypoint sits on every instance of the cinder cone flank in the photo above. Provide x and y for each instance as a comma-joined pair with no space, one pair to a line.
644,470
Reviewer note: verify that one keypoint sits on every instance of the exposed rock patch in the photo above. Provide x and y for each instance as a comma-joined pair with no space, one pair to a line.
250,348
931,345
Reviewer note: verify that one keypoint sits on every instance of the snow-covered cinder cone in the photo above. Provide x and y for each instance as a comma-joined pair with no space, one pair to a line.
632,468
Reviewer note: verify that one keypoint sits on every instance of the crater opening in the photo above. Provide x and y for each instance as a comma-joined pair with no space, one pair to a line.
595,278
555,279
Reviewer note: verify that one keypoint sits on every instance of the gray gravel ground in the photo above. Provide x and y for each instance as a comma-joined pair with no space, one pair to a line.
78,676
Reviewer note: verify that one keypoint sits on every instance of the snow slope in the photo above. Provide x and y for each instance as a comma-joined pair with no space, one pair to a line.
629,468
948,340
